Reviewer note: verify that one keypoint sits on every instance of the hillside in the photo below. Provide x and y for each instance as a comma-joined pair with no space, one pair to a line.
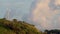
17,27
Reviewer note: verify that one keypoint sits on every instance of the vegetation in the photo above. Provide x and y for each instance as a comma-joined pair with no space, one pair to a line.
21,27
55,31
17,27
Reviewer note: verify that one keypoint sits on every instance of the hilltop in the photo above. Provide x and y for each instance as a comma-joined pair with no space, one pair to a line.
17,27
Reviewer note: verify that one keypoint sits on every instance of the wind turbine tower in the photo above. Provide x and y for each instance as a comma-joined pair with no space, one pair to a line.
7,15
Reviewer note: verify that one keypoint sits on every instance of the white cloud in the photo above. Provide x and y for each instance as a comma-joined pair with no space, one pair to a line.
44,15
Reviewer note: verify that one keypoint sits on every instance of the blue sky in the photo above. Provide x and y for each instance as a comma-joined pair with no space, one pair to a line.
20,6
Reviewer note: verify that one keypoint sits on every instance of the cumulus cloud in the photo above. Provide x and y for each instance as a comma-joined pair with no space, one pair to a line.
45,12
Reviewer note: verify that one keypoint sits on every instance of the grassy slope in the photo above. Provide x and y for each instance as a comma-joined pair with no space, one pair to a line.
5,31
17,27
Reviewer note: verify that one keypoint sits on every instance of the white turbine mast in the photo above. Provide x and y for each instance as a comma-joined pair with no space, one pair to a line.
7,15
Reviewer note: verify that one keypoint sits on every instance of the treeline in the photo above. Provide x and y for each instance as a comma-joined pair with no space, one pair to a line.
54,31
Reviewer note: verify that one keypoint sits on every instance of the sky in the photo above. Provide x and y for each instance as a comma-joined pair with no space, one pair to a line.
16,6
44,14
